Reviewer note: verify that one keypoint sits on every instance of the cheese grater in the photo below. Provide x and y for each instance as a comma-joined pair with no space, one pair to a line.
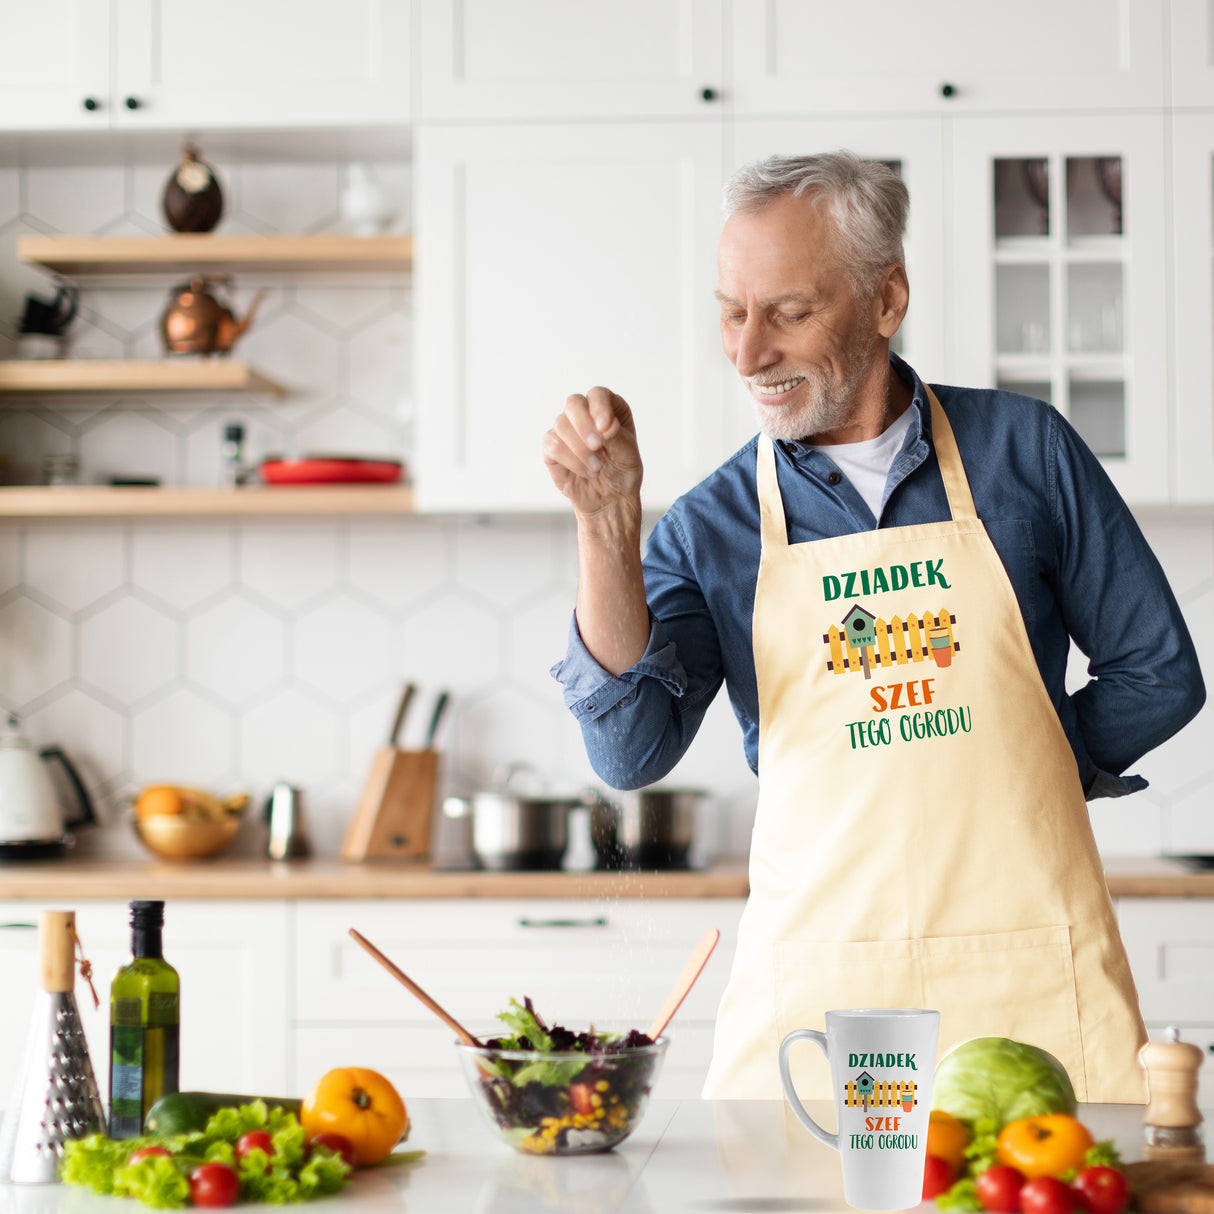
55,1097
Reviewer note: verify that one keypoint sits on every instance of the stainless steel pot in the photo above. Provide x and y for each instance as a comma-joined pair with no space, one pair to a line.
651,828
513,831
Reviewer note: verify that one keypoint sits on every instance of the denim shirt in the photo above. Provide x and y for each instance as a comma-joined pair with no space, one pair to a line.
1080,567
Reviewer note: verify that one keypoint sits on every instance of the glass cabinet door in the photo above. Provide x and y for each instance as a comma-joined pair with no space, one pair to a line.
1193,228
1059,284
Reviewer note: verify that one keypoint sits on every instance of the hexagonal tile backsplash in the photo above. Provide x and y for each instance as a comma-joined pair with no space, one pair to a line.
237,653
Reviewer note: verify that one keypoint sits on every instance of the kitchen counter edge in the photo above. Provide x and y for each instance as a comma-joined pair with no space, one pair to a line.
257,879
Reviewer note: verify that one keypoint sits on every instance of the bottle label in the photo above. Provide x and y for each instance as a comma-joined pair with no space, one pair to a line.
126,1087
162,1007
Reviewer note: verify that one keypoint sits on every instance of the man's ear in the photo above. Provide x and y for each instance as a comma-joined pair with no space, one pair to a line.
891,301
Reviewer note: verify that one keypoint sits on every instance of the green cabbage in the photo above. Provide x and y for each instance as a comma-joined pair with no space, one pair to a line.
997,1079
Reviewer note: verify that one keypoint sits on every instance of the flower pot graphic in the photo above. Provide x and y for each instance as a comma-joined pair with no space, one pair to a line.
940,643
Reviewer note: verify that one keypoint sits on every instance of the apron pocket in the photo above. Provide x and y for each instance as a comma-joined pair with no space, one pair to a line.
1017,984
814,977
1008,984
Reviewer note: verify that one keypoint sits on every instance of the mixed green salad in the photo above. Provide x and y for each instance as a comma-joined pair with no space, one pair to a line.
172,1170
553,1090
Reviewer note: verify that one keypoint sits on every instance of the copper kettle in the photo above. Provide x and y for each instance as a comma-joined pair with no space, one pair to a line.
195,322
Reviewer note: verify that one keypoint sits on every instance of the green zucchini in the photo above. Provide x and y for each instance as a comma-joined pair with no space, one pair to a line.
182,1112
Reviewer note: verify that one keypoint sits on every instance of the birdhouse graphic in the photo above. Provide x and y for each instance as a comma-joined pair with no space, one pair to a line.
860,628
864,1087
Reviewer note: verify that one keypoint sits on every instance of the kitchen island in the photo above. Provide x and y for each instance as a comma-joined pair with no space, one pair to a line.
690,1155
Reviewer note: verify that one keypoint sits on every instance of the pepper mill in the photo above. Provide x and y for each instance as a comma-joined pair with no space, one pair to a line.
1172,1116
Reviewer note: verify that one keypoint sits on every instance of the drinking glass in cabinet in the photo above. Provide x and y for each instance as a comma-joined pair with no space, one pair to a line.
1093,195
1022,197
1094,295
1097,411
1022,309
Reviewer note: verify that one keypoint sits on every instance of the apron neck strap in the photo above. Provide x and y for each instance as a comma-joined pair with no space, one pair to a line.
956,484
772,524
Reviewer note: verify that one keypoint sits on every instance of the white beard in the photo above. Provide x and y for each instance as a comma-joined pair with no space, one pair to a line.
828,402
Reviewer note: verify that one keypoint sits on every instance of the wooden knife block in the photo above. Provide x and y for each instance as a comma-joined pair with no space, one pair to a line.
396,809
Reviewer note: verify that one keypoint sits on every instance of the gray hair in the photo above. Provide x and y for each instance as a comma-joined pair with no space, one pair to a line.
867,201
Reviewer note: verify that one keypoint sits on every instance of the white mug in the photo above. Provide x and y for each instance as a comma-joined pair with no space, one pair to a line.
881,1066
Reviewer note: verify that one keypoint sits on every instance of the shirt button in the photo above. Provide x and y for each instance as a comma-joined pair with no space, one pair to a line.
589,707
834,478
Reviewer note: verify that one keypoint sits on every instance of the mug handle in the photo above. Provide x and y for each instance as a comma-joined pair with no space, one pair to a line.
831,1140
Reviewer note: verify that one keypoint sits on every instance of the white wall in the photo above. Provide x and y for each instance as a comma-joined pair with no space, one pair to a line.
233,654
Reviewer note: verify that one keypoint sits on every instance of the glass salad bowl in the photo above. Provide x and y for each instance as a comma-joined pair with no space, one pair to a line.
576,1103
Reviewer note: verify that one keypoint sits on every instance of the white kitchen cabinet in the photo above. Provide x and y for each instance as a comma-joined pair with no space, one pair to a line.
1193,314
945,56
1192,53
231,957
1059,278
481,60
1170,944
607,963
549,259
915,147
168,64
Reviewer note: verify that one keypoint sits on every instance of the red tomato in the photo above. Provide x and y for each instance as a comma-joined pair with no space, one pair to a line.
1049,1195
581,1096
1104,1190
146,1153
999,1188
254,1140
938,1176
335,1142
214,1184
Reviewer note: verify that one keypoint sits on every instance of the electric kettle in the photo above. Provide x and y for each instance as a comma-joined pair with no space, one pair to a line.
33,824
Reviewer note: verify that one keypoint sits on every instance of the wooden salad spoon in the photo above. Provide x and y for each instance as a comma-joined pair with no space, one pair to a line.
685,981
408,983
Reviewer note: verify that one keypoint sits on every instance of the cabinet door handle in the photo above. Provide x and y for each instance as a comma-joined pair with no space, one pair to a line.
708,93
33,927
91,104
598,921
948,90
132,103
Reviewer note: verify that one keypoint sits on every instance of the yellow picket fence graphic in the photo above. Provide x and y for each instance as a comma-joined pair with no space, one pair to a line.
898,642
880,1094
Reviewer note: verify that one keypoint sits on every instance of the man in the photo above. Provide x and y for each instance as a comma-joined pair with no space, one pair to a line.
887,579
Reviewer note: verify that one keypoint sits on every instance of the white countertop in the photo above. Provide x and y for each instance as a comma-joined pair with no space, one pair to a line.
693,1155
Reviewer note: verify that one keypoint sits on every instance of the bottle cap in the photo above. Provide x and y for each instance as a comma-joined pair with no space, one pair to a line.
233,433
147,914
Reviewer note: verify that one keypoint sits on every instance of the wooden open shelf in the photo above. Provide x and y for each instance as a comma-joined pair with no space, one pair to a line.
184,253
74,375
100,501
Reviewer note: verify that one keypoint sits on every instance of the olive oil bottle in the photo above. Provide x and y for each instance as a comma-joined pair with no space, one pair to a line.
144,1025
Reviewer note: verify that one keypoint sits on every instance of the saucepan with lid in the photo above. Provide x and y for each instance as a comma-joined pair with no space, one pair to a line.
514,827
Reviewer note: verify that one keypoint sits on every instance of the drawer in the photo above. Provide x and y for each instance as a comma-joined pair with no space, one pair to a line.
421,1060
580,962
1170,944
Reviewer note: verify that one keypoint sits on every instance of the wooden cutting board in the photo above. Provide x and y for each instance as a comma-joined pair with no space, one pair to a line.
1164,1187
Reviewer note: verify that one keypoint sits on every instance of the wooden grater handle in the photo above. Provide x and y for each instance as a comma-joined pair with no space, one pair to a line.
57,943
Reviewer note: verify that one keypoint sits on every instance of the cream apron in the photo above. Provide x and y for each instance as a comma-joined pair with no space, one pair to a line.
921,838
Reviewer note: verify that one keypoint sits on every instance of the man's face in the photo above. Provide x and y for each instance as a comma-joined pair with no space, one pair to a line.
790,323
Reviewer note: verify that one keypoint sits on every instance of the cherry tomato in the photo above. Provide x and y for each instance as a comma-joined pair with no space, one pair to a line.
335,1142
1049,1195
214,1184
146,1153
1044,1146
254,1140
581,1096
999,1188
1104,1190
938,1176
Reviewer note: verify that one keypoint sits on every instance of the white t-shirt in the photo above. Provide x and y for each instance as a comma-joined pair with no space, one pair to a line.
867,464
